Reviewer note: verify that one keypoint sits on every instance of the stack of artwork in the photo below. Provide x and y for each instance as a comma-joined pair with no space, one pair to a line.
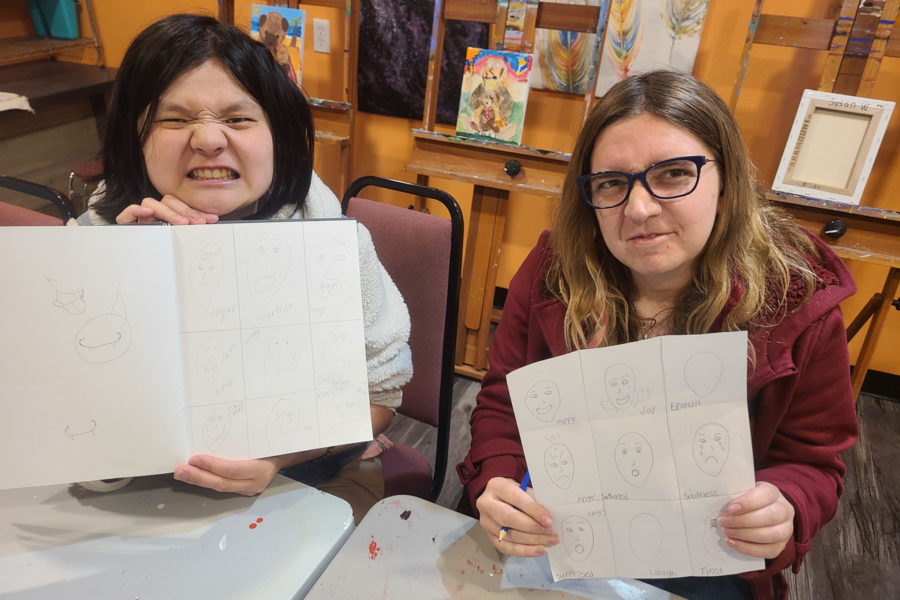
635,450
282,30
137,347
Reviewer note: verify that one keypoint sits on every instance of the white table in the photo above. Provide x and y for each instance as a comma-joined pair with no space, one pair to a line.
158,538
408,548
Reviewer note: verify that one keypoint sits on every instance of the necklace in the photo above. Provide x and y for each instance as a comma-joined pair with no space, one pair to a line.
646,325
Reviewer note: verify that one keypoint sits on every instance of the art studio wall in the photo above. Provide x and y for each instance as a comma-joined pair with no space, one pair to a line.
771,91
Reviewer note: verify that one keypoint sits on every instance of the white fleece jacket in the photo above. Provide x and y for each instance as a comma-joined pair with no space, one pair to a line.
385,316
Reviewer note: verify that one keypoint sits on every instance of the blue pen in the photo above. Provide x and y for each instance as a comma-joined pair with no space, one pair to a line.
522,486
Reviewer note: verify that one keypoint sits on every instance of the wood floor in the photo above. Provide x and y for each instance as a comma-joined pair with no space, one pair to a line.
855,556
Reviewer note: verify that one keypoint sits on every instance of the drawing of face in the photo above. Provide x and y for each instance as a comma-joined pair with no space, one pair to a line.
559,464
578,537
270,259
216,428
282,351
329,268
711,448
210,358
106,337
702,373
713,538
543,400
634,458
645,534
205,273
620,386
282,424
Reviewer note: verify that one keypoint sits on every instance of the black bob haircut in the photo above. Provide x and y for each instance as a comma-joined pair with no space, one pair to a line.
161,53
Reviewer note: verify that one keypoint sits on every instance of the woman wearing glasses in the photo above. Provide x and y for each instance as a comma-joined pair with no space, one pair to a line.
661,229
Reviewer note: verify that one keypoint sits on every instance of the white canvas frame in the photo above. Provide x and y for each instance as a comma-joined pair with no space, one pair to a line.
832,146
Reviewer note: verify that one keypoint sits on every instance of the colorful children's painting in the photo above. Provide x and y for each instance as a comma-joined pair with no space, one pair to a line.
566,61
281,30
494,95
650,34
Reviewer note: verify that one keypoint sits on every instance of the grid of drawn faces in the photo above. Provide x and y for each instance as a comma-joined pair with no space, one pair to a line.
272,331
636,449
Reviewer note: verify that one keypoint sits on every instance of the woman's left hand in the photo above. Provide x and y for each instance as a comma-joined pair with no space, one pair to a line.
759,522
247,477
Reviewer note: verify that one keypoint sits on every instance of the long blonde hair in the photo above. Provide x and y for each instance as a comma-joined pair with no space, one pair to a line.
753,246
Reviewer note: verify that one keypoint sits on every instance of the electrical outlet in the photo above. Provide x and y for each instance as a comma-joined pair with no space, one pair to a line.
321,36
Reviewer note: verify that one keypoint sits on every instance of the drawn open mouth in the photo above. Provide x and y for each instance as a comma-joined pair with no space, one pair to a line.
635,473
543,409
110,343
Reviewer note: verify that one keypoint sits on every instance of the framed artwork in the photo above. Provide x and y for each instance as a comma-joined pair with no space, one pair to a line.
281,30
565,61
494,95
832,146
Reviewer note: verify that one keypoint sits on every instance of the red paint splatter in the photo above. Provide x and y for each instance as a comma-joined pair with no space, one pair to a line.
374,549
253,525
259,520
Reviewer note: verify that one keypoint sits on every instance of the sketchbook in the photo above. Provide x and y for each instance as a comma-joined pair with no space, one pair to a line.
635,450
129,349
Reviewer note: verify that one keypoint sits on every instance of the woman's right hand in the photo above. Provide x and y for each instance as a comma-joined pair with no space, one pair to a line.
504,504
169,210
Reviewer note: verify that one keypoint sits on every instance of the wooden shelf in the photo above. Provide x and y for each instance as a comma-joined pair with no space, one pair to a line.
27,49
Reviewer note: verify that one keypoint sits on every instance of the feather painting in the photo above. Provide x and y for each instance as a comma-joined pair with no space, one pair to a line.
623,35
683,18
565,60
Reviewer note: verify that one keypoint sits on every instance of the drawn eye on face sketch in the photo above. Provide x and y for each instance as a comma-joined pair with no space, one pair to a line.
106,337
71,302
620,389
543,400
282,425
268,265
216,428
205,273
329,268
702,373
634,458
210,358
646,536
559,464
711,448
578,537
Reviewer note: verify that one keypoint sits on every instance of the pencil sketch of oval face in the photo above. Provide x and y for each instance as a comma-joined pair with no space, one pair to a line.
578,537
270,259
282,425
711,448
216,428
543,400
205,273
105,337
702,373
634,458
330,268
645,535
620,386
282,351
210,357
559,465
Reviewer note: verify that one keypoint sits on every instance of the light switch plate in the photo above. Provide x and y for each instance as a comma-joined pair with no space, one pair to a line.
321,36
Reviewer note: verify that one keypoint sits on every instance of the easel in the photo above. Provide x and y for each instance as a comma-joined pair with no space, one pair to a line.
333,118
857,36
495,169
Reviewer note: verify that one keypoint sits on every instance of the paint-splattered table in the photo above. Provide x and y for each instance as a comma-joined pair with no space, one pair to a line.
158,538
408,548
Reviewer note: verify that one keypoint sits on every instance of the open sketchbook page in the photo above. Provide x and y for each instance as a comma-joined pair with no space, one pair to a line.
274,353
635,450
90,380
137,347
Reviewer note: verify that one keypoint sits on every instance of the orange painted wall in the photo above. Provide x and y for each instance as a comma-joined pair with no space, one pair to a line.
775,80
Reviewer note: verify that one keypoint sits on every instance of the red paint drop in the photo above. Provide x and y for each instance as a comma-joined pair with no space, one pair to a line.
373,549
259,520
252,525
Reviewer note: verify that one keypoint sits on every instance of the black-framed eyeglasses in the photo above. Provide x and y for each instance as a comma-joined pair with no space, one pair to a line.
666,180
